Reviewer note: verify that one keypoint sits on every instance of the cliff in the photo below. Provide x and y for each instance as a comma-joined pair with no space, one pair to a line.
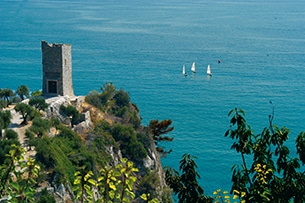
150,177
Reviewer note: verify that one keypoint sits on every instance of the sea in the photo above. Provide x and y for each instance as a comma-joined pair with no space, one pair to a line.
141,45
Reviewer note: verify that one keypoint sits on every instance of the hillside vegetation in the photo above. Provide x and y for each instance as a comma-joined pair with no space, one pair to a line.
75,137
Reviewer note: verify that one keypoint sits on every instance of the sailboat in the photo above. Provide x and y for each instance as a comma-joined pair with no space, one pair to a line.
209,72
183,71
193,69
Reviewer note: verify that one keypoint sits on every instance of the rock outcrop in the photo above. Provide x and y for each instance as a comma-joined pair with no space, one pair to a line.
92,115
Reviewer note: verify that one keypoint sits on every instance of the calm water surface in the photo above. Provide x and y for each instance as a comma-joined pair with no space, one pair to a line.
141,46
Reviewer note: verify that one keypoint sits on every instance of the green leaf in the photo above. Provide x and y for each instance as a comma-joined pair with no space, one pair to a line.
101,178
92,182
88,175
112,186
144,197
77,181
15,185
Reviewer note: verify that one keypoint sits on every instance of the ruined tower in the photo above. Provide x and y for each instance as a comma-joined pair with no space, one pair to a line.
56,69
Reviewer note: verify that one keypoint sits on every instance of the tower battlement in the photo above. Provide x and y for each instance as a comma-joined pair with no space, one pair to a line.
56,69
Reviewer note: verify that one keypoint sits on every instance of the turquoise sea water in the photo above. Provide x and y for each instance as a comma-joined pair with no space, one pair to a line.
141,46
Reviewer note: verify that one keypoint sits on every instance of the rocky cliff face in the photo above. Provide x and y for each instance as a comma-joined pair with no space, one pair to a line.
150,167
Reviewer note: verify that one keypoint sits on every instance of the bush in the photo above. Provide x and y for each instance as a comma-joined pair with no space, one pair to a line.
45,197
122,98
11,134
129,144
5,147
70,111
93,98
38,103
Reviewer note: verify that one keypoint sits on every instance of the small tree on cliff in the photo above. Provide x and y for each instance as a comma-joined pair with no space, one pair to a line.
23,92
6,93
72,112
157,130
38,103
26,111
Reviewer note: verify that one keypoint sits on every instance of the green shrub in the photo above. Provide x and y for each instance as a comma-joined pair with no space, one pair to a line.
129,144
120,112
149,182
122,98
11,134
38,103
45,197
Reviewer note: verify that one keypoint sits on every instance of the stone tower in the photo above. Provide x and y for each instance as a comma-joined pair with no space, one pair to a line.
56,69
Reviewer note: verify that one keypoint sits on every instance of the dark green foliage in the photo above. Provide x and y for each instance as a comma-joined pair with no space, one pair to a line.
26,111
129,144
149,182
93,98
101,100
103,129
54,122
40,126
45,197
273,176
186,186
72,145
100,140
6,163
3,104
70,137
134,119
36,93
43,148
5,144
300,143
66,152
11,134
121,98
30,141
29,134
6,94
108,91
38,103
53,153
120,112
129,117
110,100
23,92
5,120
160,128
157,130
142,137
117,102
71,111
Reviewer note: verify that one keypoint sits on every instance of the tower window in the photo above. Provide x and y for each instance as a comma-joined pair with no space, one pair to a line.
52,87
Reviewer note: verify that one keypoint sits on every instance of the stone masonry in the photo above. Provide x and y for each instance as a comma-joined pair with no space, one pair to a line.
56,69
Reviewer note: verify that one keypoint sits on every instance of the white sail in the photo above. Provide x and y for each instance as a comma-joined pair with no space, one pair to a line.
183,71
193,69
209,72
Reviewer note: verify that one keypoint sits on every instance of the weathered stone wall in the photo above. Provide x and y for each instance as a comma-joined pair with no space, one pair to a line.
57,69
67,70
